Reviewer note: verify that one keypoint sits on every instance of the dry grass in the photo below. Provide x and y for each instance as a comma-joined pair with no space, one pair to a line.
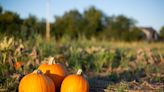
109,65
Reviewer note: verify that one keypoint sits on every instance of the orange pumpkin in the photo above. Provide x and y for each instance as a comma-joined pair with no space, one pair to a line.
75,83
36,82
55,71
17,65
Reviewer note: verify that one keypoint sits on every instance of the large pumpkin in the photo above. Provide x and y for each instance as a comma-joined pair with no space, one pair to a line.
55,71
36,82
75,83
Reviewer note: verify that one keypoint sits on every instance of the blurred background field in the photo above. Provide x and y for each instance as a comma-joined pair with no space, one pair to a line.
114,52
108,66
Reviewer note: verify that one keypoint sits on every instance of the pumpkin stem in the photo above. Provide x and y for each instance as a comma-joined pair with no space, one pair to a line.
54,62
37,71
79,72
51,60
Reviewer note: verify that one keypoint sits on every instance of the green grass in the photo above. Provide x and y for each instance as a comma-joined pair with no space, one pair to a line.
113,62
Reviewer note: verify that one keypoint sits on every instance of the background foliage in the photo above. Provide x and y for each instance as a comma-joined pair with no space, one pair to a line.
91,23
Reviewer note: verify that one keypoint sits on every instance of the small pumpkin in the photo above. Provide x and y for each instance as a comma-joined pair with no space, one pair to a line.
36,82
18,65
75,83
55,71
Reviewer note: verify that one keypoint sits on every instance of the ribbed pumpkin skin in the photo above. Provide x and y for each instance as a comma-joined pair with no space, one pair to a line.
55,71
74,83
36,83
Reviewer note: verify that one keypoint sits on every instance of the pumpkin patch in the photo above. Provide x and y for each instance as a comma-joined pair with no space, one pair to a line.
51,77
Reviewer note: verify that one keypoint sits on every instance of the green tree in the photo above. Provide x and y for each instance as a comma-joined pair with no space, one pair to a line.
30,27
162,32
93,21
118,27
69,24
1,9
58,27
10,23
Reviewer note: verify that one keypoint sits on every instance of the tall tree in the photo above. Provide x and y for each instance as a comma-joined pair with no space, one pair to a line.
93,21
30,27
1,9
69,24
119,27
162,32
10,22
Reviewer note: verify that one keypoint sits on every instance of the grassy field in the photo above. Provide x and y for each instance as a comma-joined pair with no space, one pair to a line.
108,65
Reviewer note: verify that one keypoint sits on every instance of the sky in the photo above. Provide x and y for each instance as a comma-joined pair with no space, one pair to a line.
148,13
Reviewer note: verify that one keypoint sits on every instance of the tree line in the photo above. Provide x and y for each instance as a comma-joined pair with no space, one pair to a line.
91,23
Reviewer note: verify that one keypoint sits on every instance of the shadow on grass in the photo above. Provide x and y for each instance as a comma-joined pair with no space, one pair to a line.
100,82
